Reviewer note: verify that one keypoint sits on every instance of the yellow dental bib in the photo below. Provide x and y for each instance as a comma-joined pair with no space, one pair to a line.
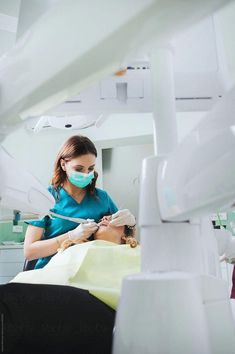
97,266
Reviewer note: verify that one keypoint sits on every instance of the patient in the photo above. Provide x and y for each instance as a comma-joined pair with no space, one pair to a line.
117,234
61,307
98,266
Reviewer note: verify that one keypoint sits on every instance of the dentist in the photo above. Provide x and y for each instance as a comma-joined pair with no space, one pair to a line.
73,186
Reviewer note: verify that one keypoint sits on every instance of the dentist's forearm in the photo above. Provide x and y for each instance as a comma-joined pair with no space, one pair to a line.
44,248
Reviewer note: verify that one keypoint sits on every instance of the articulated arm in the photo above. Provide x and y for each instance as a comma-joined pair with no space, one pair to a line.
199,177
20,190
76,43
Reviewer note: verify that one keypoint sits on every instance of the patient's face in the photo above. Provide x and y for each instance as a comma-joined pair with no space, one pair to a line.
109,232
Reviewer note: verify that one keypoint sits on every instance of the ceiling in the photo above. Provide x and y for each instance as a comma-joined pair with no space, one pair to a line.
9,11
10,7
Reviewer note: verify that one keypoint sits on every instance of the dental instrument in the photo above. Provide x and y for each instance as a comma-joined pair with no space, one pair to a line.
77,220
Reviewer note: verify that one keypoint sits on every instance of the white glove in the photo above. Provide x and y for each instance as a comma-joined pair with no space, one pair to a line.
122,217
83,231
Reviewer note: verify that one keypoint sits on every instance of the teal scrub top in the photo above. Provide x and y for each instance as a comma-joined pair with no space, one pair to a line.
91,207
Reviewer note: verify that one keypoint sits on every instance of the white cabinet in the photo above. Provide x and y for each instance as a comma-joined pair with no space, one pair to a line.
11,262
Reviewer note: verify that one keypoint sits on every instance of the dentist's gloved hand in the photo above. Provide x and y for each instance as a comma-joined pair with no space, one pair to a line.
122,217
83,231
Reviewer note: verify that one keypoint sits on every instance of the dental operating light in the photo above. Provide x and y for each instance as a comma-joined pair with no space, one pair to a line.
66,122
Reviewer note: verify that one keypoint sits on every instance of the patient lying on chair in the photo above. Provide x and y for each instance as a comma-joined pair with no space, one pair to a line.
116,234
98,266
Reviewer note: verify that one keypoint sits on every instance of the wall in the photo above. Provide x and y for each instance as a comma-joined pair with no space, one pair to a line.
122,172
226,21
37,152
6,233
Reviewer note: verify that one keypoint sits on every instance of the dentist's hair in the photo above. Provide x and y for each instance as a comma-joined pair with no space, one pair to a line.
75,146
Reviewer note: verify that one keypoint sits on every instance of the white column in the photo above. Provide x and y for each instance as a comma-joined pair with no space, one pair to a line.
164,115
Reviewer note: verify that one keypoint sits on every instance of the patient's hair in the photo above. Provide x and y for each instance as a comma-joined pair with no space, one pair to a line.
127,238
75,146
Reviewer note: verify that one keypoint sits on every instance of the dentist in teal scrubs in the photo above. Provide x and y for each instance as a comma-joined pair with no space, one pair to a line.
73,186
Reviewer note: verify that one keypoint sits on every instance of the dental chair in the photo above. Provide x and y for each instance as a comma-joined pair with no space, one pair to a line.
42,318
29,265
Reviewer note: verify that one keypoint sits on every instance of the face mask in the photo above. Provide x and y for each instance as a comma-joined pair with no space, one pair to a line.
80,179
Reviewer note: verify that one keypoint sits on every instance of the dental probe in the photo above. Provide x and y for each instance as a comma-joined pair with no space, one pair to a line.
77,220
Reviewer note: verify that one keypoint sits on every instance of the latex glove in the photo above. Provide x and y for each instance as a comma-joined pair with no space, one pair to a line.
122,217
83,231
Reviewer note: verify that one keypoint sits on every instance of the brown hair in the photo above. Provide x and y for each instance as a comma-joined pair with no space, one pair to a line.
75,146
129,236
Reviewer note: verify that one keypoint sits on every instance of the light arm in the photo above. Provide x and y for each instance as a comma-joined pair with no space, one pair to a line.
198,177
21,190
